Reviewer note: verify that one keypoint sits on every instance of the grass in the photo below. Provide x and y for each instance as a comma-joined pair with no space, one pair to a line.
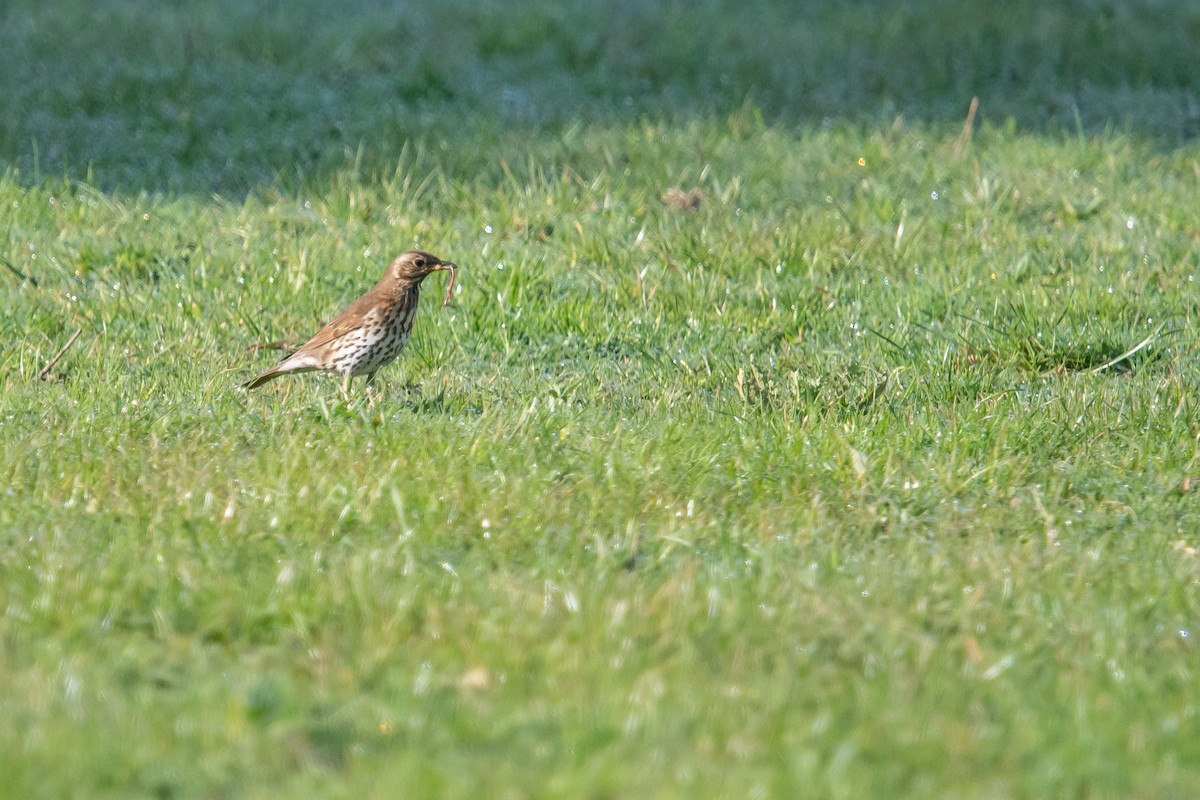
871,476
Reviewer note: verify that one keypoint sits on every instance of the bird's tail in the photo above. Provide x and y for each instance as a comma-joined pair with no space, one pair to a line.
266,377
299,361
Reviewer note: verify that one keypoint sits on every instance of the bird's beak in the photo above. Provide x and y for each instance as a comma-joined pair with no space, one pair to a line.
441,265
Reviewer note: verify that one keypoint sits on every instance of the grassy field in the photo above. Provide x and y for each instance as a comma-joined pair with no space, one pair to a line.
783,439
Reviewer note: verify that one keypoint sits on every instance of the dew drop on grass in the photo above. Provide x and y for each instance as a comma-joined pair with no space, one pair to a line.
72,687
487,228
423,680
934,195
999,667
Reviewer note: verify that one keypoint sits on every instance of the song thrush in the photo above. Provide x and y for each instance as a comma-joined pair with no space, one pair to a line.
371,331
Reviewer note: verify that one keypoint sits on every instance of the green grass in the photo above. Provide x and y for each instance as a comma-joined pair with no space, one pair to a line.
872,476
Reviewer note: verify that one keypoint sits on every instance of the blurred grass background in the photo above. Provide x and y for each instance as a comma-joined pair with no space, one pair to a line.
224,96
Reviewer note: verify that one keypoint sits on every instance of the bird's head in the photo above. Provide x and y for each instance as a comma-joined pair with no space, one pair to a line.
413,266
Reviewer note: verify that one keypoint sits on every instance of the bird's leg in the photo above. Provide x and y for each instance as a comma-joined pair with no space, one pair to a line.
346,388
372,394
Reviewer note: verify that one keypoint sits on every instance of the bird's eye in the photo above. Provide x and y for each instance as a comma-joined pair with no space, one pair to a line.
420,262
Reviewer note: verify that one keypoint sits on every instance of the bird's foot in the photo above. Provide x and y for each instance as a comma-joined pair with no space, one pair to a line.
373,395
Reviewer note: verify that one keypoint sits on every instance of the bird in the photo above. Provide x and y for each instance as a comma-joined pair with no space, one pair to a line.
370,332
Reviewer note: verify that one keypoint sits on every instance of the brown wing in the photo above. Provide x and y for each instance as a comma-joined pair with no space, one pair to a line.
350,319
